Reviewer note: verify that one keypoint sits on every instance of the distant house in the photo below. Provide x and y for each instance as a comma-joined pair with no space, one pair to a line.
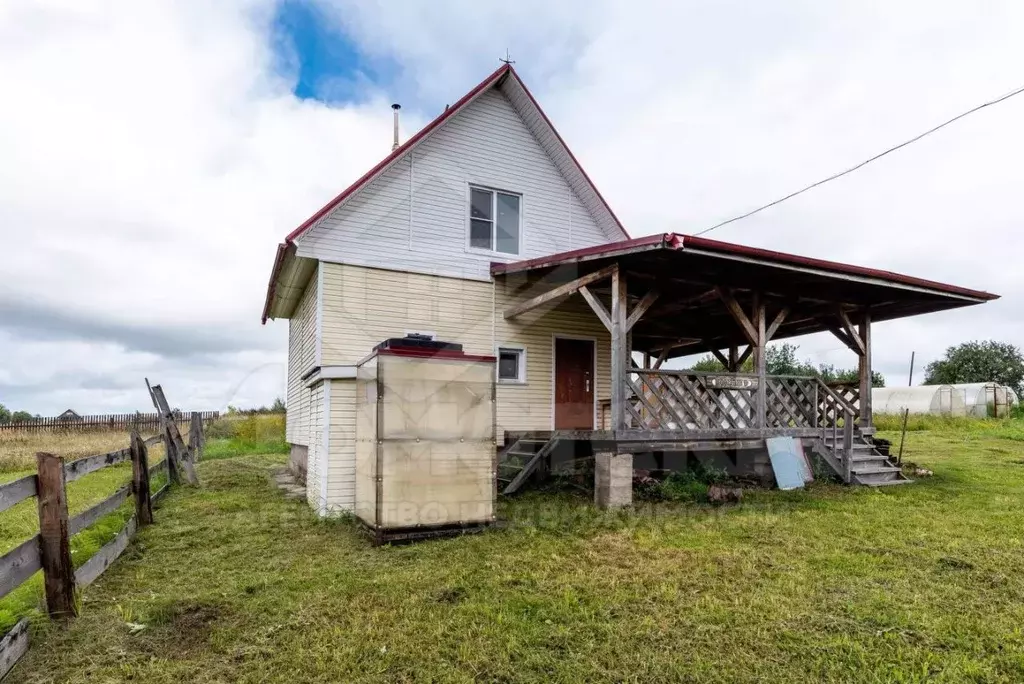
69,416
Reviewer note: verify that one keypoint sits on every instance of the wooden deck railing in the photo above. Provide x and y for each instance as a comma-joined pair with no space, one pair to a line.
687,400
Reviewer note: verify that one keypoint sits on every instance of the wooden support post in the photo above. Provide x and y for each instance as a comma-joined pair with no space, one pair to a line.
55,537
848,447
864,368
760,363
620,353
733,366
140,480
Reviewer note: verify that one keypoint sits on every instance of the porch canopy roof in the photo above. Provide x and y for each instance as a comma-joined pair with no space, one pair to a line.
693,277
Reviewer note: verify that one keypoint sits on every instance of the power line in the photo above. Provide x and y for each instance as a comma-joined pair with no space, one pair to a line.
1018,91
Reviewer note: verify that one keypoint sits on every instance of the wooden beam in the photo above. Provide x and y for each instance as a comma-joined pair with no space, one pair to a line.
55,537
743,358
760,364
661,358
620,352
722,359
845,339
856,344
597,306
738,314
560,291
641,308
776,322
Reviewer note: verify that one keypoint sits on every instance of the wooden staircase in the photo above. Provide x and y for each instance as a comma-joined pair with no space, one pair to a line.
519,459
869,466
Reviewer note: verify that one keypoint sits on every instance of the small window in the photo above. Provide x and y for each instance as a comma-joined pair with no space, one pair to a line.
511,365
495,220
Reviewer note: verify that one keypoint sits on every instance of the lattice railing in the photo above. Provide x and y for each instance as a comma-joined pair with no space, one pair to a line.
685,400
849,394
682,400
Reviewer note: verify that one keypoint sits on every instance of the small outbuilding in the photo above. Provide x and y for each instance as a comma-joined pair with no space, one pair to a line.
968,399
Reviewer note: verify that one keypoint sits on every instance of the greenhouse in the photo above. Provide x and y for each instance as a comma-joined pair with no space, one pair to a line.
975,399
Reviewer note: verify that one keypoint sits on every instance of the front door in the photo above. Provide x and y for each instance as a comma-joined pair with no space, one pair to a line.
574,384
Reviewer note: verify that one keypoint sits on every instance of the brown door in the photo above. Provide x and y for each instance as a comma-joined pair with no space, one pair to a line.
574,384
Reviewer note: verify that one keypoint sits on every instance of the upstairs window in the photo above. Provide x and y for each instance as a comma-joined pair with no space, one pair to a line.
495,221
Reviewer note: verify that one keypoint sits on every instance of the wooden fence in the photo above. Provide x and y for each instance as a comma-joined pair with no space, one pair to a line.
50,549
116,421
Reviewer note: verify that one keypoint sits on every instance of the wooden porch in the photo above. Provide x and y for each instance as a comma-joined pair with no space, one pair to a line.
672,296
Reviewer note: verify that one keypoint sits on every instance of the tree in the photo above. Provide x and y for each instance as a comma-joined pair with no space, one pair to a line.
989,361
780,359
21,417
278,406
5,414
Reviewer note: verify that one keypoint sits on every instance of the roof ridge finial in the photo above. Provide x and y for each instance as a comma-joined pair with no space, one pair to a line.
507,59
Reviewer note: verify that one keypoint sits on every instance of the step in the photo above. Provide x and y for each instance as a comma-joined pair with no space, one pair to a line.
876,469
872,479
530,454
888,483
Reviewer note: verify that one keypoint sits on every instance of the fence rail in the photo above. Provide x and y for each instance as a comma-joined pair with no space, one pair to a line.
116,421
50,549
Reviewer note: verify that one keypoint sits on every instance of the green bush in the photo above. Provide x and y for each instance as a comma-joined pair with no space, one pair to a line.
688,485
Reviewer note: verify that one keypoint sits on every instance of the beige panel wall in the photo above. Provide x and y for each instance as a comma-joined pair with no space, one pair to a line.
302,337
341,466
363,306
314,438
529,406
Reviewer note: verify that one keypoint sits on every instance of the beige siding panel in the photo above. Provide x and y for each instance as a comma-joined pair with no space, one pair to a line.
530,406
341,466
314,438
302,340
363,306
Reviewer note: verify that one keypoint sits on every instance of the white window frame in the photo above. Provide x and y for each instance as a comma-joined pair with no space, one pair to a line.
521,350
494,220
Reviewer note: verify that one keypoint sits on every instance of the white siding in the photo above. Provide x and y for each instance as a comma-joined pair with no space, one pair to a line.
414,217
314,437
303,340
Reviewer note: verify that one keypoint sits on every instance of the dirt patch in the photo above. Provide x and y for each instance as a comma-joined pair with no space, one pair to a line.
451,595
176,630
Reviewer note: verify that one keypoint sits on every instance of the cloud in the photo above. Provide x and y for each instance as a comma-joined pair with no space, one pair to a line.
154,154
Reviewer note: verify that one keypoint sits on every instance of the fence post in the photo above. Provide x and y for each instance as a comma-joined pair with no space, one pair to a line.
140,480
848,447
196,437
172,465
54,539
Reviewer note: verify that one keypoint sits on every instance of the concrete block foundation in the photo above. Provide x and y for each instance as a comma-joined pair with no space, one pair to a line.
613,480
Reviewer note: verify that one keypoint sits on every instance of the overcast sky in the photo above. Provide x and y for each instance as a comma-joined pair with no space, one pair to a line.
152,154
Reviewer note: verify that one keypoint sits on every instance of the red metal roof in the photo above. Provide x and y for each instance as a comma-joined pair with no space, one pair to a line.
673,241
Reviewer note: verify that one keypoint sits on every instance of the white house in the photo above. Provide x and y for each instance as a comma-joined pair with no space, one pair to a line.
482,228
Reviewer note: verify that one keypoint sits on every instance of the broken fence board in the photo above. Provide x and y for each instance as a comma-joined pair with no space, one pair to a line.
13,646
97,565
158,494
105,507
90,464
154,440
16,491
18,564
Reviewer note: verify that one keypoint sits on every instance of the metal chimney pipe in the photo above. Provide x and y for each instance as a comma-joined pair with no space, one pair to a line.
395,107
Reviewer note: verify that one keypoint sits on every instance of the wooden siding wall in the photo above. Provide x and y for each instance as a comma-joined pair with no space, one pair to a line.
530,406
363,306
415,216
302,336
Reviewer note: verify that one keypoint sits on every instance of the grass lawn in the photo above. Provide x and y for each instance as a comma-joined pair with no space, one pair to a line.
234,583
